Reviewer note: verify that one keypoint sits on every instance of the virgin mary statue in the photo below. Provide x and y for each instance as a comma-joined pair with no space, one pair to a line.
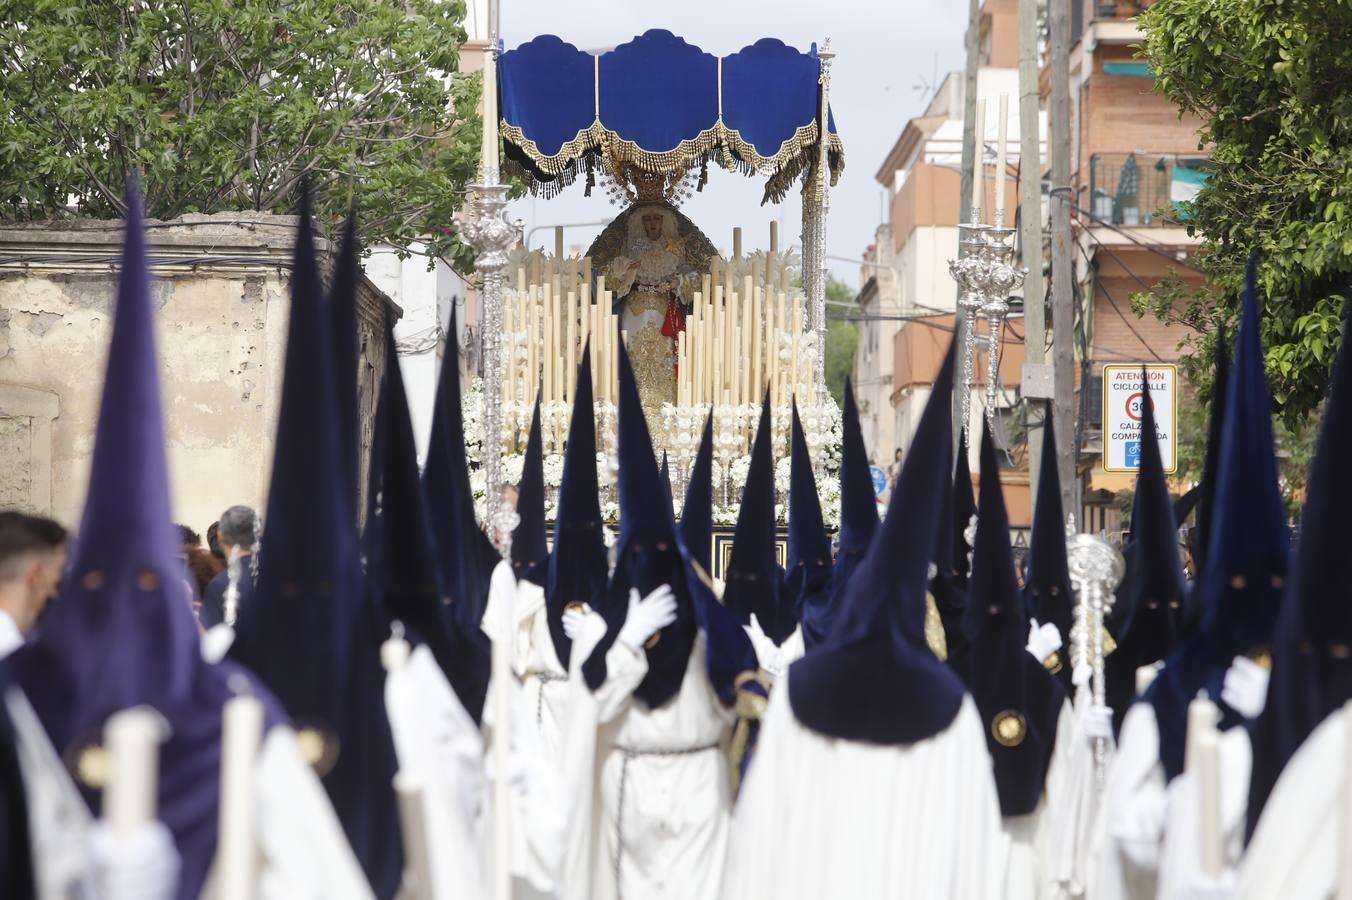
652,258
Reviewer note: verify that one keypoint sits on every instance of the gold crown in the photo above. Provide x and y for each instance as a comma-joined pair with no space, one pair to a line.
637,185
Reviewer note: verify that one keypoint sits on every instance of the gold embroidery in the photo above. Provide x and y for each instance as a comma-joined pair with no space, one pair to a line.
1009,728
654,371
934,628
640,302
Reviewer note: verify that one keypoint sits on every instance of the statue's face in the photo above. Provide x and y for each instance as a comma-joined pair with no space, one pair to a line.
652,226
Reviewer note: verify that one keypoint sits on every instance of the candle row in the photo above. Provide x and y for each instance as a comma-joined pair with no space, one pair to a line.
545,331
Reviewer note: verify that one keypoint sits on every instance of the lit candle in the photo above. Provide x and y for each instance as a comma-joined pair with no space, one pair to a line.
132,739
241,731
979,165
1000,160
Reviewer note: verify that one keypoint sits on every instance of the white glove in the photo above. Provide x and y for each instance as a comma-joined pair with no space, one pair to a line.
1140,829
770,657
1098,722
574,620
1245,687
647,616
1080,675
216,642
141,865
1043,640
1200,887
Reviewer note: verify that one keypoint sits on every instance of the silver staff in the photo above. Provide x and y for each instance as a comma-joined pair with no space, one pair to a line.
1095,571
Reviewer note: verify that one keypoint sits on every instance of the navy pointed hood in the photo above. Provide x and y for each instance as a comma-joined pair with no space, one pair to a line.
807,575
577,566
1238,592
878,640
305,632
343,314
696,529
1019,700
465,556
646,555
529,547
753,576
401,558
1206,503
858,503
1311,659
1047,592
1150,598
121,633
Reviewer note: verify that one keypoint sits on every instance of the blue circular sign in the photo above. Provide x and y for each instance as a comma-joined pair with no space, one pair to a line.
879,480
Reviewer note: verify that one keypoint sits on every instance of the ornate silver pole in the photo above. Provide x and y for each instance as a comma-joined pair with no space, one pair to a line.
1002,276
817,261
491,235
1095,571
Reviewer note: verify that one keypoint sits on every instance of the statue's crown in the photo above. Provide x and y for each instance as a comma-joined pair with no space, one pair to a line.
633,184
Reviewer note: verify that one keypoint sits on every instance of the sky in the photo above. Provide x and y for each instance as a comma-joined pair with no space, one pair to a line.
886,50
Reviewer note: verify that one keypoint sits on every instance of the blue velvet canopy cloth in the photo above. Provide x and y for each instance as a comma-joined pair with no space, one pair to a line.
664,106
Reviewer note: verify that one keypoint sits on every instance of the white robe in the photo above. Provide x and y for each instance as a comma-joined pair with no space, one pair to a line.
1065,824
1145,843
59,823
1026,877
542,679
649,798
1297,849
440,748
822,817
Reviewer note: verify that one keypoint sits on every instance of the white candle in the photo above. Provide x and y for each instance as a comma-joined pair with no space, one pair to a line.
979,165
503,684
131,739
236,846
489,149
1000,159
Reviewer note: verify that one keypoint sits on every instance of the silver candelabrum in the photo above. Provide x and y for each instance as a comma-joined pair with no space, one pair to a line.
985,273
1095,571
491,235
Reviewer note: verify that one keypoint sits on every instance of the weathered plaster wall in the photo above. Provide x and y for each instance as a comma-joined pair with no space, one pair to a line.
221,297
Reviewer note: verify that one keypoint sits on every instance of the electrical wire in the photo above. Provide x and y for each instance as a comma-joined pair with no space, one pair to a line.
1113,302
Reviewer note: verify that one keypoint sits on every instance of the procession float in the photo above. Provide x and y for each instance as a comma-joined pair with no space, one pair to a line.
709,332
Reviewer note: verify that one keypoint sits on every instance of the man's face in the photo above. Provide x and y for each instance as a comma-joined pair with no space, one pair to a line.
38,578
652,226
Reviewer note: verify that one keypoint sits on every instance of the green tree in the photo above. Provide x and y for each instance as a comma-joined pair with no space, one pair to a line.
1269,80
225,105
842,338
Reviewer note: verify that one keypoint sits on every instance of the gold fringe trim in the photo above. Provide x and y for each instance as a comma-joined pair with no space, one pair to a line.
795,155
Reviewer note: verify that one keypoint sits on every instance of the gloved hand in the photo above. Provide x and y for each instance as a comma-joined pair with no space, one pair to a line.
216,642
140,865
1043,640
768,654
574,620
1098,722
1080,675
1245,687
1139,829
647,616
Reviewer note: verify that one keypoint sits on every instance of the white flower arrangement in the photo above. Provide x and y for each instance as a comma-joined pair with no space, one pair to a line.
734,429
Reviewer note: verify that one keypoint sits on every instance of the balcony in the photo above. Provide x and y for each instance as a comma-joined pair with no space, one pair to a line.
1119,9
1135,189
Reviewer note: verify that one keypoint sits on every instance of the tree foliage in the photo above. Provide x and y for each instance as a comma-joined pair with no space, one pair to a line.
1269,80
842,339
225,105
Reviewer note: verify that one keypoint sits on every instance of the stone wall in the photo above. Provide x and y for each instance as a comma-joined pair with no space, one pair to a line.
220,291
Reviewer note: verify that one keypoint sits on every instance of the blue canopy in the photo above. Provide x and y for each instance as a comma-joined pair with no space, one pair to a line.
665,107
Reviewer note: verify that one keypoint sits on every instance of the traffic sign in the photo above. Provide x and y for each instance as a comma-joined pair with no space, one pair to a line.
879,480
1123,409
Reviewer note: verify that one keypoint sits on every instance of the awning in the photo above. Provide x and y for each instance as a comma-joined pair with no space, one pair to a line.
663,106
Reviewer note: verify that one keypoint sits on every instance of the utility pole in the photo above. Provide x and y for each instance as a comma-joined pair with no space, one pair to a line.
1063,299
970,156
1037,377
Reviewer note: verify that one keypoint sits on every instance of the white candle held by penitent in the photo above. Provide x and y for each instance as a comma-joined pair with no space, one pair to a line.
236,855
132,741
